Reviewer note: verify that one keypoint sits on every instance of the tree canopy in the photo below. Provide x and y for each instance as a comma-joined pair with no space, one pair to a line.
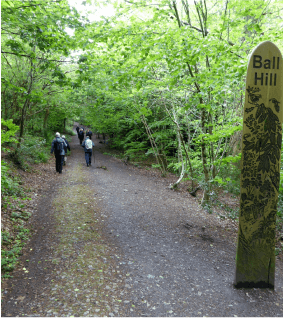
163,78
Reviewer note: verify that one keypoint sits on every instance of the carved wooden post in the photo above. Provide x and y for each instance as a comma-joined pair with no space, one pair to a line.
260,174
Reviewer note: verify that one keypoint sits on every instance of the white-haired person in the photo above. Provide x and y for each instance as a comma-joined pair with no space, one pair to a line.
66,149
58,147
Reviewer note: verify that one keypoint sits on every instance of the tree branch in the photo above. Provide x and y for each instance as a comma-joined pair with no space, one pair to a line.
9,32
39,111
38,58
176,13
12,8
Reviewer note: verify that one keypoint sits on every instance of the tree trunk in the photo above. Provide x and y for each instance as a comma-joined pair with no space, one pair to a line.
205,198
23,115
45,119
159,157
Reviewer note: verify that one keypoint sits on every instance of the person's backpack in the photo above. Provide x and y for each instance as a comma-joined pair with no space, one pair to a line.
88,144
59,144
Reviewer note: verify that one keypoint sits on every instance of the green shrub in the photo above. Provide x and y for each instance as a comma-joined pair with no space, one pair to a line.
33,149
8,131
48,136
43,156
9,259
11,248
5,238
69,131
9,183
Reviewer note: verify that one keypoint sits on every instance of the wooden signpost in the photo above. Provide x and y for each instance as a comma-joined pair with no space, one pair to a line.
260,170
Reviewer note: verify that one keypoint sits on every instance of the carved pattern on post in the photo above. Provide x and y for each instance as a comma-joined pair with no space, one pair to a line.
260,174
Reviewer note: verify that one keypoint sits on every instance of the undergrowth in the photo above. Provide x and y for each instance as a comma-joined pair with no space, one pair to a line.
15,233
14,218
32,149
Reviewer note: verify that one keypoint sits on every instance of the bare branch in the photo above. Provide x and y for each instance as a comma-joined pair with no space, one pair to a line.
176,13
39,111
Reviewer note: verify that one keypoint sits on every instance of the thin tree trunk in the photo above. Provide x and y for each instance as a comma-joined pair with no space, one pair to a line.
181,141
205,198
26,104
46,118
180,155
154,146
23,118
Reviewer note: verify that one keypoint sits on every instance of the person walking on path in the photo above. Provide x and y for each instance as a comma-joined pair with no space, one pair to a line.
78,129
58,146
89,133
88,144
81,135
66,149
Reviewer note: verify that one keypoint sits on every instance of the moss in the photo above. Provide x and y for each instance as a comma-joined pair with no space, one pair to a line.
85,257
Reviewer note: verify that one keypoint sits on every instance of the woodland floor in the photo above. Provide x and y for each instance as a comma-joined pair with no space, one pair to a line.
119,242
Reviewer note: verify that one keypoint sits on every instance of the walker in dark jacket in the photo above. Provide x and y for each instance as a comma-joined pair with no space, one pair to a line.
88,152
81,135
88,133
58,146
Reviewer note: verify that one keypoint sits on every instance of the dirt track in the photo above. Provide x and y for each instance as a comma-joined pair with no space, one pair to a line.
118,242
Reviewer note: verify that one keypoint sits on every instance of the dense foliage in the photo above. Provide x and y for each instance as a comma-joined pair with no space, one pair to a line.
162,79
168,79
35,50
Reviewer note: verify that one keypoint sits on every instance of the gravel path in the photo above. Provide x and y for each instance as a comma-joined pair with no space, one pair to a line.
118,242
